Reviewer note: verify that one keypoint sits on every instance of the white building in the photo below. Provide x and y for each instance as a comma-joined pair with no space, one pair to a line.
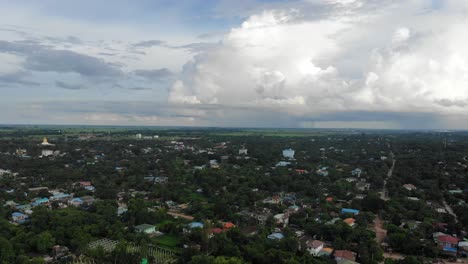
243,151
138,136
288,153
46,153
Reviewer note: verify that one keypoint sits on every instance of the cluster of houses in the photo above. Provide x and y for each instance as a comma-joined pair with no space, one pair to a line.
23,212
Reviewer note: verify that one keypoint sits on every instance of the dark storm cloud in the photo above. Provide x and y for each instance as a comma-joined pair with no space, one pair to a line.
68,86
156,74
68,61
46,59
19,77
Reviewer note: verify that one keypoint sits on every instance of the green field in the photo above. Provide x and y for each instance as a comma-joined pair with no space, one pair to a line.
167,241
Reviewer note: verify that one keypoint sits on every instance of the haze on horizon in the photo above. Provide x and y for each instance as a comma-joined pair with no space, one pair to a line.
391,64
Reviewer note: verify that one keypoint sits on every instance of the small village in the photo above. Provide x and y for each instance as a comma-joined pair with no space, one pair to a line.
328,198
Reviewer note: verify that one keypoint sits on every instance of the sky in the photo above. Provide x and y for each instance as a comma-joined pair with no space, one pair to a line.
382,64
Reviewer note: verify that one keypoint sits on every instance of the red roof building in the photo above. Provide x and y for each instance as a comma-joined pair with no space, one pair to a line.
344,254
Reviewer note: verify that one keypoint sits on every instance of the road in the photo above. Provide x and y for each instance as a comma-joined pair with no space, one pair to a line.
384,193
450,211
380,233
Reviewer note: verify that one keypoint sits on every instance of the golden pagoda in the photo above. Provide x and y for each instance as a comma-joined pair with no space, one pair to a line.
45,142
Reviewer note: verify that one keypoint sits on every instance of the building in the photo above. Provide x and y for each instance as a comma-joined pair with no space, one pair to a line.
282,219
350,221
448,244
40,201
349,211
283,164
46,143
356,172
243,151
194,225
138,136
314,246
145,228
214,164
344,255
19,217
47,152
288,153
76,202
275,236
409,187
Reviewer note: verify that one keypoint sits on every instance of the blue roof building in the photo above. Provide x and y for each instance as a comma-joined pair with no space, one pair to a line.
196,225
349,211
40,201
276,236
19,217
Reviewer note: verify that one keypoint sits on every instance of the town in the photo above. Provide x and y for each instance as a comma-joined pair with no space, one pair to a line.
142,195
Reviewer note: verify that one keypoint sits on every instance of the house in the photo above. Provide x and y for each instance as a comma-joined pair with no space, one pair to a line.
275,236
463,248
351,179
249,231
88,200
228,225
214,231
84,183
363,186
275,199
314,246
90,188
344,255
446,241
243,151
19,217
409,187
214,164
356,172
288,153
281,219
76,202
283,164
349,211
322,172
60,197
40,201
145,228
350,221
121,210
194,225
47,152
346,261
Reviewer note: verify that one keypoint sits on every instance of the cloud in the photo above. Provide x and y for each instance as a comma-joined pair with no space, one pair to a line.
18,78
149,43
69,61
140,88
68,86
155,74
353,57
44,58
